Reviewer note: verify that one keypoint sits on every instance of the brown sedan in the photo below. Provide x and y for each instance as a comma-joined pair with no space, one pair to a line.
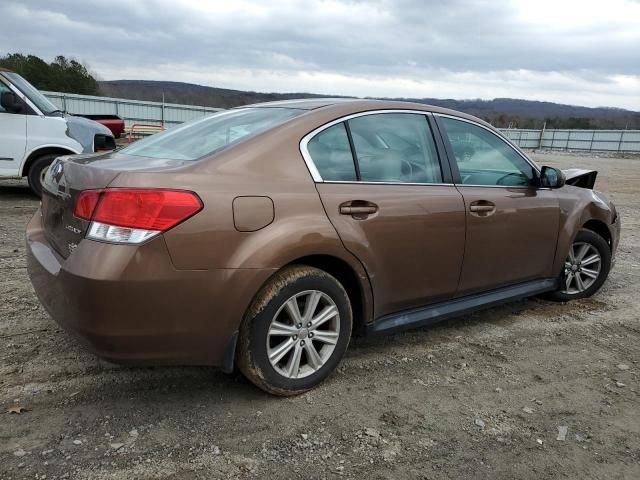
264,236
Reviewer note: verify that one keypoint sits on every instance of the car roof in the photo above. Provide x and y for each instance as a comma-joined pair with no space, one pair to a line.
345,106
301,103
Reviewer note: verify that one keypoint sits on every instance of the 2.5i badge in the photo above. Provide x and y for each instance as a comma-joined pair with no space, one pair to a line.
73,229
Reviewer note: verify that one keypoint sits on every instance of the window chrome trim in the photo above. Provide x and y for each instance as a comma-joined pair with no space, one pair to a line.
364,182
519,187
315,174
513,146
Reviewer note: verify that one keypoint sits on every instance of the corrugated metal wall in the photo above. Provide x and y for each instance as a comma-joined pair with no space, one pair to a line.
596,140
168,114
133,111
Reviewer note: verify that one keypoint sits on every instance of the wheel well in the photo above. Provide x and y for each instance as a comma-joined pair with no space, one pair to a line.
596,226
343,272
40,152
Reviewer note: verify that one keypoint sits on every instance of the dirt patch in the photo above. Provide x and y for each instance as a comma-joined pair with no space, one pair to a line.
484,396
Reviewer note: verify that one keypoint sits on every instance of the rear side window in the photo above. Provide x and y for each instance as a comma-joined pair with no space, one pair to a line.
196,139
395,147
385,147
331,154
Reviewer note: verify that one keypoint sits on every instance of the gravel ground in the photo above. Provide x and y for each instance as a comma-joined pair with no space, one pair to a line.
527,390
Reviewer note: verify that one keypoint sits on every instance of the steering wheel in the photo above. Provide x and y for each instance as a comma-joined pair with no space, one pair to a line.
409,166
501,180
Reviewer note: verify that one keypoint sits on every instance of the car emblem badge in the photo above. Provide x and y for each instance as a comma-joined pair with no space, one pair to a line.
56,172
73,229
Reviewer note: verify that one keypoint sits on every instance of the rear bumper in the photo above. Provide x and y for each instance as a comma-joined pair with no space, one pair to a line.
129,304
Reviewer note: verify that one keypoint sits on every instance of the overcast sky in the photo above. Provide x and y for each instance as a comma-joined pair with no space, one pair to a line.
578,52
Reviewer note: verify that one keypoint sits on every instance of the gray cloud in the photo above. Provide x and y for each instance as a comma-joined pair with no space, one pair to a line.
560,46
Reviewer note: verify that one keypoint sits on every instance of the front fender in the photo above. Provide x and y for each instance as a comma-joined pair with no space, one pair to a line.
577,207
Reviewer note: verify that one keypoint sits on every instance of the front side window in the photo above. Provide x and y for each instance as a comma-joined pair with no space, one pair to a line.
4,89
485,159
395,147
198,138
32,93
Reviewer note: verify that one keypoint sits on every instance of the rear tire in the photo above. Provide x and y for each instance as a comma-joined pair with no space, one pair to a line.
296,331
37,170
586,268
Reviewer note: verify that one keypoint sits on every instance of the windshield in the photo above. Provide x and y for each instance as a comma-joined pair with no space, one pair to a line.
204,136
32,93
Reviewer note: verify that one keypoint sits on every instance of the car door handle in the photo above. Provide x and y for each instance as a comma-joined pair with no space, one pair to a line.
358,207
482,207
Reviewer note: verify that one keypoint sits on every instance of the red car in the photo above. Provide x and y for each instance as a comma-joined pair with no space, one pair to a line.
112,122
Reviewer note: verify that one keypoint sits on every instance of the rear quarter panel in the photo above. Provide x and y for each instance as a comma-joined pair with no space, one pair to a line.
268,165
210,240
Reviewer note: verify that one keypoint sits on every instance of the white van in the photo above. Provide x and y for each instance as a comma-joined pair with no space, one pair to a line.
33,131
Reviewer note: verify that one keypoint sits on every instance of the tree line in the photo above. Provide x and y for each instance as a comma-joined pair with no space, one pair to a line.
70,76
617,121
62,75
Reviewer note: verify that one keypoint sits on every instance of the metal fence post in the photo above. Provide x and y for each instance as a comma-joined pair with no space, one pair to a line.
566,147
620,141
593,135
64,102
162,111
541,136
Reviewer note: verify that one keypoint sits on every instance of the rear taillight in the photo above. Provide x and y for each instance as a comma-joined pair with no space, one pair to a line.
122,215
86,204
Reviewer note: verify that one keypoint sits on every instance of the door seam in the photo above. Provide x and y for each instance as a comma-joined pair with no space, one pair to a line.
364,268
464,249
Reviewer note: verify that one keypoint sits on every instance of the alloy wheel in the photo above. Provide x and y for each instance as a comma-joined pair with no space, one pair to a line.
581,268
303,334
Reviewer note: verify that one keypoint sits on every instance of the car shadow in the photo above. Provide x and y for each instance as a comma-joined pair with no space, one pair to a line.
16,189
179,385
448,330
194,384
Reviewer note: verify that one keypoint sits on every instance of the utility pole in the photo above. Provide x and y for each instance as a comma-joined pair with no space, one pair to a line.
544,126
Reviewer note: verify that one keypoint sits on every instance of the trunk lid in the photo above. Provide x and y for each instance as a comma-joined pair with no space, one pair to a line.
70,175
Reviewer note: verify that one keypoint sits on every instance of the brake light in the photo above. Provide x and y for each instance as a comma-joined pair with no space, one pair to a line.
122,215
86,204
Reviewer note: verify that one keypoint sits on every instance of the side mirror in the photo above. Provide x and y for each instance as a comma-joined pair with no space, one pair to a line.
551,177
10,102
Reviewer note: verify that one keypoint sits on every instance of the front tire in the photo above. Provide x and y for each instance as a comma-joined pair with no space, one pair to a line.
295,332
36,172
586,267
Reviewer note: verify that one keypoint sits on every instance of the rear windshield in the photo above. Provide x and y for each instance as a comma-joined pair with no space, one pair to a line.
195,139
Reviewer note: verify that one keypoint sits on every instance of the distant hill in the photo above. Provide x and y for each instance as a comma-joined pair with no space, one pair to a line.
501,112
190,93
